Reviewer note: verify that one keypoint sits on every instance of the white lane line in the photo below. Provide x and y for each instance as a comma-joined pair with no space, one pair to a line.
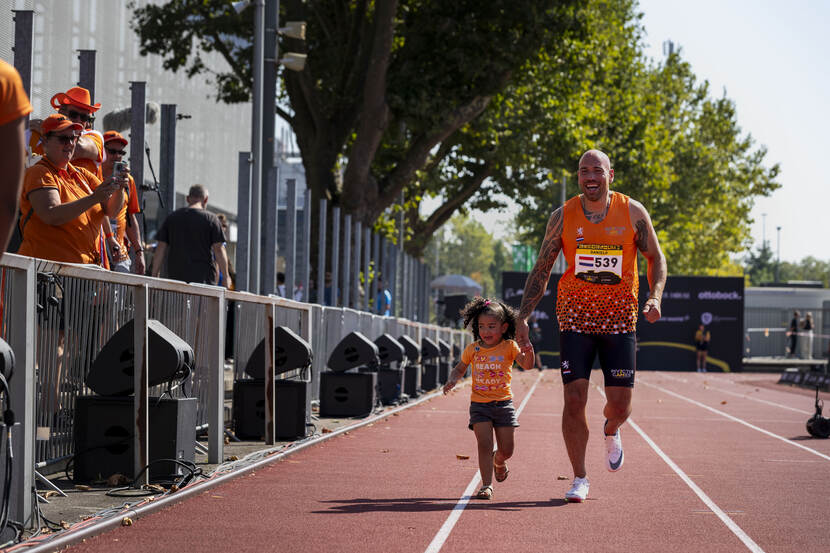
736,419
802,411
444,532
741,535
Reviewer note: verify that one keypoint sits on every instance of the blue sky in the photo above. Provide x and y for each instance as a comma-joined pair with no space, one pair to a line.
772,58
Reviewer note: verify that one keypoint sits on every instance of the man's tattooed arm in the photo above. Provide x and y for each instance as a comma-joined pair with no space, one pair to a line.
646,241
537,280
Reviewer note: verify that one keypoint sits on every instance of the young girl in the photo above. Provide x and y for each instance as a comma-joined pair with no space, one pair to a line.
491,404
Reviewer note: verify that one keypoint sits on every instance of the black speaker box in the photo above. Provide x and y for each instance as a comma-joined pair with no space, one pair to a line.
352,351
411,348
347,394
104,436
291,352
443,372
6,360
429,349
444,348
412,380
292,403
390,383
389,349
111,373
429,378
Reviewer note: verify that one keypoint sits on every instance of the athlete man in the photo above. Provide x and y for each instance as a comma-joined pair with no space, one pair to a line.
599,232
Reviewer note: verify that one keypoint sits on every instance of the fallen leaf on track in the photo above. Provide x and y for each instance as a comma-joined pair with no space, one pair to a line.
723,402
461,457
561,477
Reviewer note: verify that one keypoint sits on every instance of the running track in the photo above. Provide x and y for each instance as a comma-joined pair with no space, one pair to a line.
713,462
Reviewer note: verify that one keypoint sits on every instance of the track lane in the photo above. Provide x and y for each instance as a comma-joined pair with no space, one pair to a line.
772,486
391,486
645,507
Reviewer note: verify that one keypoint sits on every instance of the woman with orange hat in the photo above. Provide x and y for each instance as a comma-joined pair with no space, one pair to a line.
62,206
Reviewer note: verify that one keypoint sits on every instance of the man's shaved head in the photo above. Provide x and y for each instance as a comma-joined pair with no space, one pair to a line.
596,155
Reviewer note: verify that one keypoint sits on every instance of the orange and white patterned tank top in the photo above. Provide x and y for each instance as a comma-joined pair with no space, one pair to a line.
598,292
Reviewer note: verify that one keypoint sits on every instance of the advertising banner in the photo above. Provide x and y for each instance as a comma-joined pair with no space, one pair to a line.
715,302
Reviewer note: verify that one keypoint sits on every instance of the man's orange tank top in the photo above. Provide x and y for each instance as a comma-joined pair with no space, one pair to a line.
598,292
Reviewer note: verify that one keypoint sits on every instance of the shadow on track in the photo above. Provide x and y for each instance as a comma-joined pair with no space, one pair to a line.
428,504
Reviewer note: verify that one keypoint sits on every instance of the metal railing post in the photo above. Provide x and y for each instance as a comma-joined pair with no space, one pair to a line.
22,388
141,453
216,379
290,237
243,223
167,160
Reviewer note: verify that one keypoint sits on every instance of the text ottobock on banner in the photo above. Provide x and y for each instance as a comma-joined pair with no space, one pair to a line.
716,302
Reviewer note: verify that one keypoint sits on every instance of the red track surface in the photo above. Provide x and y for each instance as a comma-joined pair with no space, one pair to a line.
391,486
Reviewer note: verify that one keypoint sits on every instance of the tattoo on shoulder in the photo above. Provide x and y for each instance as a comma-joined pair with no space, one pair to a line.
641,235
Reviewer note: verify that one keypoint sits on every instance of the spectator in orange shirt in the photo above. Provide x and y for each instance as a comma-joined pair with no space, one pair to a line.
63,206
76,105
130,253
14,107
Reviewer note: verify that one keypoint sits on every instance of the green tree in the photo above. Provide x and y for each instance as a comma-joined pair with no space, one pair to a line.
467,249
386,83
760,266
673,147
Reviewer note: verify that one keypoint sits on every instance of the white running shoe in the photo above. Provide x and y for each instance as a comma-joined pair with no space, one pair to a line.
614,449
579,490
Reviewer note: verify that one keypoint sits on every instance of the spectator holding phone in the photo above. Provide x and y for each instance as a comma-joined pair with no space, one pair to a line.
130,252
76,105
63,206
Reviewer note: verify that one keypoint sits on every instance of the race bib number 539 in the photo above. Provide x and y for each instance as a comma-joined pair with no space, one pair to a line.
598,263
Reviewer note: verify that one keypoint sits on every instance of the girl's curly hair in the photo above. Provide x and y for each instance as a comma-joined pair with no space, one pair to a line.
484,306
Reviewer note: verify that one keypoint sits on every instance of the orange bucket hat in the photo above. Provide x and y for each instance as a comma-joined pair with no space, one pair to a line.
76,97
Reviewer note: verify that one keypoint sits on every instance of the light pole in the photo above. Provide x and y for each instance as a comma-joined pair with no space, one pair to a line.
764,231
778,255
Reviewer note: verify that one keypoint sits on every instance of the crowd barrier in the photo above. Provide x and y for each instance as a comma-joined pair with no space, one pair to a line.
57,317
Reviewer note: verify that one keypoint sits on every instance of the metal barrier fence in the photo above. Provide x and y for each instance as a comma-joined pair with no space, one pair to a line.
766,332
57,317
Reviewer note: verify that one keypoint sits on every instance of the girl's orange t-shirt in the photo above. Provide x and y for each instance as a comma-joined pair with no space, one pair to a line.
491,369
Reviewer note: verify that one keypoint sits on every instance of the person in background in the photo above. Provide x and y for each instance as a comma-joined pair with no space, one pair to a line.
130,252
14,107
807,326
194,237
281,284
383,301
792,332
702,337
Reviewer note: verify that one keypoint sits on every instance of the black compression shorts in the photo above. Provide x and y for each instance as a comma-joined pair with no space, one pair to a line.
617,356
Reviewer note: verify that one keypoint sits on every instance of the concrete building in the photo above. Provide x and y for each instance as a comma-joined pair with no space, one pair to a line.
207,142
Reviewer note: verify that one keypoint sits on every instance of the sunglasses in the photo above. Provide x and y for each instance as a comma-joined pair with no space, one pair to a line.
73,115
65,139
114,152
